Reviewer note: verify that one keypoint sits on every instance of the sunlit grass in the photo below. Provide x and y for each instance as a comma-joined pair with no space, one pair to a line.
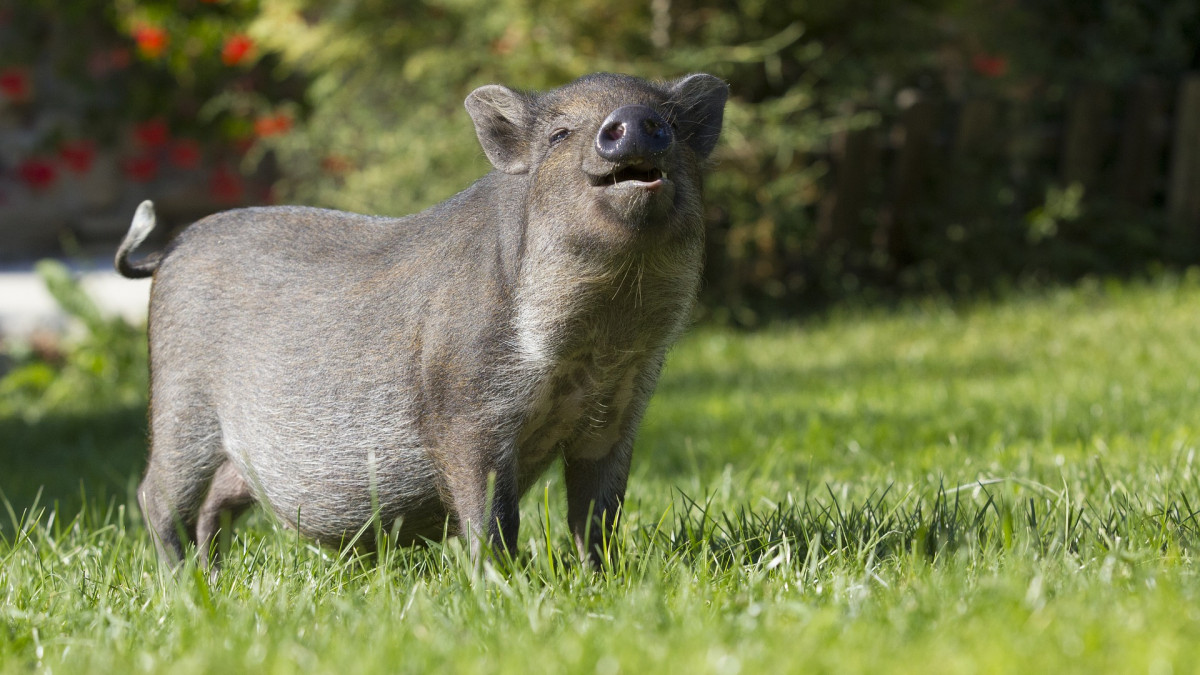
1006,488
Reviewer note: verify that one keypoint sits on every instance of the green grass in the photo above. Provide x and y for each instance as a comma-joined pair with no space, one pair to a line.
1009,487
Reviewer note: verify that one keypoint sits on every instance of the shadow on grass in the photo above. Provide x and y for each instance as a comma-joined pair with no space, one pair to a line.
71,459
1000,516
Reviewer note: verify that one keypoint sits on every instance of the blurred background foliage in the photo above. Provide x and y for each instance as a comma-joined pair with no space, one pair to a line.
102,366
357,104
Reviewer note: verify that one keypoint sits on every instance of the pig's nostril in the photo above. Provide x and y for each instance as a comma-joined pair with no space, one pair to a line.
615,132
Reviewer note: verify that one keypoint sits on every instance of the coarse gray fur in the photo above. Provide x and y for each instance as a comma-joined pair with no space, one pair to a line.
428,369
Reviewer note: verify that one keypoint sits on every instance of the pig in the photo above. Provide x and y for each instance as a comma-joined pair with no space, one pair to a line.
425,371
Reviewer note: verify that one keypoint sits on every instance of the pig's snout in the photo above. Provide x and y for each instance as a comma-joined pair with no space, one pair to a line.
632,133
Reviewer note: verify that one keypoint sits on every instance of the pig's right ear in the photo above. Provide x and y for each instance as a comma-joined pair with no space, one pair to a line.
502,118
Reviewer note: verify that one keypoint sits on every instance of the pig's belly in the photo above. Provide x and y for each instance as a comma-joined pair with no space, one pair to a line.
329,485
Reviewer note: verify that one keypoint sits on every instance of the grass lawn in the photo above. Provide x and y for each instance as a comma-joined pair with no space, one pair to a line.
1010,487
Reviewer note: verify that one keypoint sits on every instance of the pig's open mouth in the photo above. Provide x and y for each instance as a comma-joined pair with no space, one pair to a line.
645,173
642,172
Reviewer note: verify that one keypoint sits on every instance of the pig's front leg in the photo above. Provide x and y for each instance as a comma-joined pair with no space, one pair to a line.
483,487
595,492
597,467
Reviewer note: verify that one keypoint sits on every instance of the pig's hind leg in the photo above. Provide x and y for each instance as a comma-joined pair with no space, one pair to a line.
229,495
185,453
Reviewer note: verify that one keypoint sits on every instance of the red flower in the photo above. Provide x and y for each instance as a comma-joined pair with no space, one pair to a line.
151,40
119,58
14,82
336,164
140,169
242,144
236,49
151,133
97,63
104,62
37,173
225,185
78,155
989,65
185,154
272,125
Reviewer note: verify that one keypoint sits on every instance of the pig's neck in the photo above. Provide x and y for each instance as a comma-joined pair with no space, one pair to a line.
570,298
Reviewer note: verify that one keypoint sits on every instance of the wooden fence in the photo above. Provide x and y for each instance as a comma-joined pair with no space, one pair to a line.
1138,145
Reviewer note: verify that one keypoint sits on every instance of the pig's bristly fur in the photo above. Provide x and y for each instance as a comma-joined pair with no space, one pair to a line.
428,369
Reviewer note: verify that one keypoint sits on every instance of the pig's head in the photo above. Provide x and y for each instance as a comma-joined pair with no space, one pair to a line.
612,161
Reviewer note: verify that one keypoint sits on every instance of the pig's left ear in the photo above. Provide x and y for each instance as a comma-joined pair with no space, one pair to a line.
502,118
699,102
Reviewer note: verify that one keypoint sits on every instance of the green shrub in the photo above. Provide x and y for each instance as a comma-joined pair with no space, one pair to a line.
103,364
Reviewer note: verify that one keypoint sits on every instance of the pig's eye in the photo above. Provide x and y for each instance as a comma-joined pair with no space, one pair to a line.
558,135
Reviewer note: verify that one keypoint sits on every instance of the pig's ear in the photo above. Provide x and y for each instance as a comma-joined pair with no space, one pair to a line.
502,118
699,102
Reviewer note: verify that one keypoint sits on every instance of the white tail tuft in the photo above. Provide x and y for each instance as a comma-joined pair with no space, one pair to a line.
143,223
